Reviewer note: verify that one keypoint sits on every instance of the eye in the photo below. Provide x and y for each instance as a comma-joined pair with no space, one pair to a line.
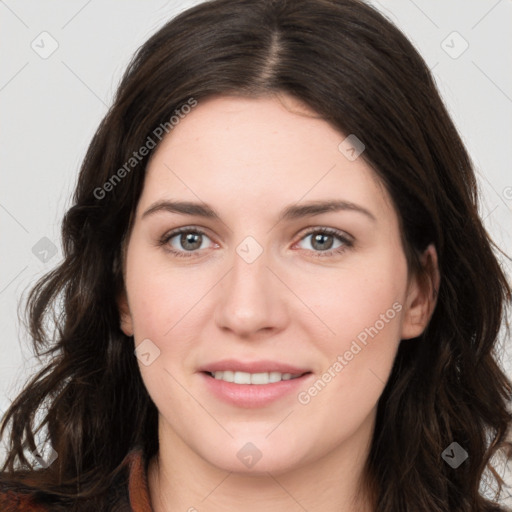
326,241
185,240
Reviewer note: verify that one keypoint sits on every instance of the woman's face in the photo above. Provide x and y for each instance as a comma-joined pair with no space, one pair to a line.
289,261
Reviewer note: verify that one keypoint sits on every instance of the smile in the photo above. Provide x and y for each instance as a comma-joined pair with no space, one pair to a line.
239,377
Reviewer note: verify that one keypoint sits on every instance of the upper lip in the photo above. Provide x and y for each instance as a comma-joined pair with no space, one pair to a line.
260,366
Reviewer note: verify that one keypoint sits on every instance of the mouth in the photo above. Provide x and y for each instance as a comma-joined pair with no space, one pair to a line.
258,379
253,384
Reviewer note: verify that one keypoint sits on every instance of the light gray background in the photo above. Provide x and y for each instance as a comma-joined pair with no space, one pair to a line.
51,107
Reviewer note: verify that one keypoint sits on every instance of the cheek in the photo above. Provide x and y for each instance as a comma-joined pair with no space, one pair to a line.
168,308
161,302
159,294
357,359
362,308
361,296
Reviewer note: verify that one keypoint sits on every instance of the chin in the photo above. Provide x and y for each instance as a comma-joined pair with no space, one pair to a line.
257,457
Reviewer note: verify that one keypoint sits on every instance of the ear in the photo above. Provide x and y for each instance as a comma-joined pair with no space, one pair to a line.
125,314
421,296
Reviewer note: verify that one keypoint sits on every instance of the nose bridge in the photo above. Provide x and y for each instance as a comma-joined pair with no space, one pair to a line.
248,280
249,299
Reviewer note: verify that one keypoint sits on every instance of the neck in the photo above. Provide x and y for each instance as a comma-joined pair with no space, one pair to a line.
180,480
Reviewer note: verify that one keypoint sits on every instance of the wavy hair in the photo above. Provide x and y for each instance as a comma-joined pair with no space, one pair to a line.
360,73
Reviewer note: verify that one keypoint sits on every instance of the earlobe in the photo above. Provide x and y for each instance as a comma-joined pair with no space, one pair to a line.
126,322
422,296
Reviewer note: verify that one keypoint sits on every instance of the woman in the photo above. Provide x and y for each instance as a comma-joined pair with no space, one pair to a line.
278,216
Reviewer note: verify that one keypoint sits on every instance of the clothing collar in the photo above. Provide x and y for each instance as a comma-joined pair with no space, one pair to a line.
138,488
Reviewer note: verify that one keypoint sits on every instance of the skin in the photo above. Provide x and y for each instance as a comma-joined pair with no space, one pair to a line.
248,159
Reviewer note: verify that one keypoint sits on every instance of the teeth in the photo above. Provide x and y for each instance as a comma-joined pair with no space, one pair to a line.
253,378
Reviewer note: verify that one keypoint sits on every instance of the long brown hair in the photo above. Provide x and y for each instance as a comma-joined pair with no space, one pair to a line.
360,73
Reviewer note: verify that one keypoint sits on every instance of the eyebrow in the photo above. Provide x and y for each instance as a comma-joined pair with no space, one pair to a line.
291,212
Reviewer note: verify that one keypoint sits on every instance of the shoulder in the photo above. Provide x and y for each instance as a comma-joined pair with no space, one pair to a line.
14,501
127,487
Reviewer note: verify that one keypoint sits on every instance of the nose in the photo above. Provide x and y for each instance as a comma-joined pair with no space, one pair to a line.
251,299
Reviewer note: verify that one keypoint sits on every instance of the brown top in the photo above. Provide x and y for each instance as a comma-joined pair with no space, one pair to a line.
138,490
133,491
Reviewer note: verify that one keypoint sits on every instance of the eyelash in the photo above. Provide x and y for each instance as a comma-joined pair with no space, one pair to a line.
347,243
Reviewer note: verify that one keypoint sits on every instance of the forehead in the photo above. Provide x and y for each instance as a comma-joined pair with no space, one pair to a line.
258,152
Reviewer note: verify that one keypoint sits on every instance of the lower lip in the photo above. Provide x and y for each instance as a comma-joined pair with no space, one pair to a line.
252,395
